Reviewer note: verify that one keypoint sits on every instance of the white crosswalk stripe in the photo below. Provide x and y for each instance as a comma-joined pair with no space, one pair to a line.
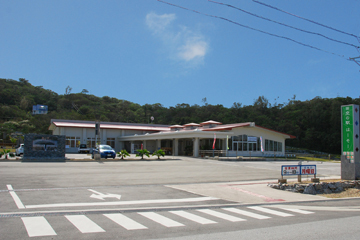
297,210
38,227
246,213
84,224
167,222
270,211
125,222
193,217
221,215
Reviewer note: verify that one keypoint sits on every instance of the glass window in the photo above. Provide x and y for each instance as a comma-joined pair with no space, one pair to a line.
266,145
279,146
110,142
244,138
72,141
240,146
245,147
275,146
90,143
230,144
271,145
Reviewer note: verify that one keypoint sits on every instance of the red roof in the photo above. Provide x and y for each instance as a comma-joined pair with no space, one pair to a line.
192,124
176,126
125,126
210,122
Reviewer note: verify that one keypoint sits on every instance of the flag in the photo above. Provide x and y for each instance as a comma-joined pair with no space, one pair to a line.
261,144
227,141
214,140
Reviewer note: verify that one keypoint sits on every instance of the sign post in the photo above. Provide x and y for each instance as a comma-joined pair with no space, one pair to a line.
350,158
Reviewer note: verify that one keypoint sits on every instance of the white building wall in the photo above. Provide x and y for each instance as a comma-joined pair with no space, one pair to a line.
258,132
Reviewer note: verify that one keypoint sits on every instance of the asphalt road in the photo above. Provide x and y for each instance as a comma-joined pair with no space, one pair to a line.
178,198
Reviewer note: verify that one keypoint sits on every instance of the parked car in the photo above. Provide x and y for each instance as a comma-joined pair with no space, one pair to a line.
83,149
19,150
105,151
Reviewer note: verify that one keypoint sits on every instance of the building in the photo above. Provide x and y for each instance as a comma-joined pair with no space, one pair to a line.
39,109
237,139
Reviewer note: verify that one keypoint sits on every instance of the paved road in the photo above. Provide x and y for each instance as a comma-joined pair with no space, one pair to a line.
179,198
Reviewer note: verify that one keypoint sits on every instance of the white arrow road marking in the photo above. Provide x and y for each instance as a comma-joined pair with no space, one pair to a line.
101,196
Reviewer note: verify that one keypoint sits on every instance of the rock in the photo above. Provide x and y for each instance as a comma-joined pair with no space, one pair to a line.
331,186
327,191
310,189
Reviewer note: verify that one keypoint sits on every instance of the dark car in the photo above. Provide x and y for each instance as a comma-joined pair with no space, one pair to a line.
105,151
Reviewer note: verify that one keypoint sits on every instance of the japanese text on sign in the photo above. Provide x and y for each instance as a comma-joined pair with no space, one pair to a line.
298,170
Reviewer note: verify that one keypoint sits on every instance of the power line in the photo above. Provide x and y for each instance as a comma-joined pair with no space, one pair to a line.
248,27
309,20
283,24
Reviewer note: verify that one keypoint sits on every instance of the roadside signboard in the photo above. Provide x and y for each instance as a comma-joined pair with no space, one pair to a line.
350,132
287,170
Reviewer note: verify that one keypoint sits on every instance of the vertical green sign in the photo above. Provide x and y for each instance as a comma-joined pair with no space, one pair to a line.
347,130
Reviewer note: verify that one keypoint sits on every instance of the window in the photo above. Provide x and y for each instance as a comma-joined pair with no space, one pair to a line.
230,144
91,143
110,142
244,143
274,146
72,141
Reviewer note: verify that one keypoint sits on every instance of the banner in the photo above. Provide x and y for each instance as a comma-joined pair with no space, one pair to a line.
214,140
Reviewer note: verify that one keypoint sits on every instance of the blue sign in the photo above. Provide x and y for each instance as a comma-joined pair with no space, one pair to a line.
298,170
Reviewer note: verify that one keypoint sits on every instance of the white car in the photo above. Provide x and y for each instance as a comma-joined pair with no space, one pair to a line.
19,150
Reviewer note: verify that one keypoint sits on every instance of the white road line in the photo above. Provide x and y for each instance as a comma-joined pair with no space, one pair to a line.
193,217
281,214
38,227
199,199
84,224
246,213
125,222
297,210
221,215
167,222
17,200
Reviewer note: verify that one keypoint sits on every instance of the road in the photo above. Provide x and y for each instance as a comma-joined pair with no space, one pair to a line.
177,198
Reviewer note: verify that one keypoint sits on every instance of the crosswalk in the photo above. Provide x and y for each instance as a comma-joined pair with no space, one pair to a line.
39,226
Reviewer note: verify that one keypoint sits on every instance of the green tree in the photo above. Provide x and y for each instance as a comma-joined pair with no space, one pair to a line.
159,153
142,152
123,154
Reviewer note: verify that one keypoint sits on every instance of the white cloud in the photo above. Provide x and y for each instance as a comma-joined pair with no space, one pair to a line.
182,43
195,48
158,23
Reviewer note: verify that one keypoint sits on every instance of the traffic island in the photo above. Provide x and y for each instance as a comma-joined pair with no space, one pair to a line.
319,188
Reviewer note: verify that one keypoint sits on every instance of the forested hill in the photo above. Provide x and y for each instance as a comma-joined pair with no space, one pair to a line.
315,123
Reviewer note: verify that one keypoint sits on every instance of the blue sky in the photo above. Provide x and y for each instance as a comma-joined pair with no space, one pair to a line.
145,51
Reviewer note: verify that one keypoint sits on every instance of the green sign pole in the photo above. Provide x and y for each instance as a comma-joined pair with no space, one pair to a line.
348,131
350,149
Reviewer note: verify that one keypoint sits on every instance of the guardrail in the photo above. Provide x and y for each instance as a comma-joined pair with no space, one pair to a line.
210,153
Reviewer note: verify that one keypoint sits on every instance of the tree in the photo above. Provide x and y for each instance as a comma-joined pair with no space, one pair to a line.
68,90
142,152
123,154
84,91
159,153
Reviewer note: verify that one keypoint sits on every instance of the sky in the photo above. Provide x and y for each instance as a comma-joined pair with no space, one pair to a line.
147,51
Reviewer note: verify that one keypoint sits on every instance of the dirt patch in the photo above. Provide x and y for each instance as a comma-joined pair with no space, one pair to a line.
350,192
